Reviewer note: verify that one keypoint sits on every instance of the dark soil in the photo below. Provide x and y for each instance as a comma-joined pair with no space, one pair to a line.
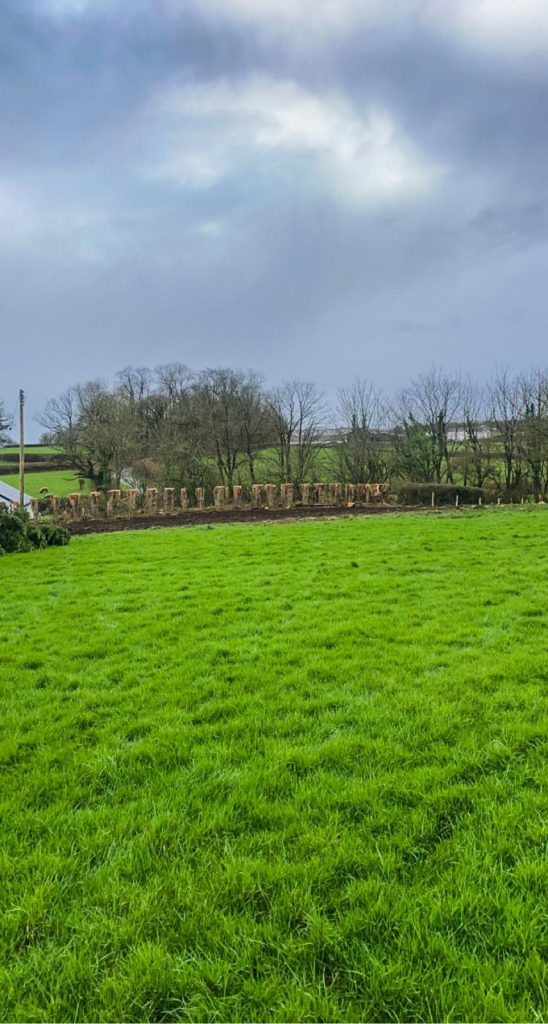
210,517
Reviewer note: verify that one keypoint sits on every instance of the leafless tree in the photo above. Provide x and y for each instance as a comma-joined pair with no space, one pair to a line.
134,382
298,416
97,430
5,425
533,435
474,457
234,418
256,429
424,412
362,450
134,388
60,422
506,411
173,380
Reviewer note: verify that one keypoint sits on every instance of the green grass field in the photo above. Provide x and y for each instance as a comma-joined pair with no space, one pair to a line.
59,481
291,772
30,449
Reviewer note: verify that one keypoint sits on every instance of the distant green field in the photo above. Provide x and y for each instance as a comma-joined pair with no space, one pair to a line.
326,467
30,449
291,772
58,481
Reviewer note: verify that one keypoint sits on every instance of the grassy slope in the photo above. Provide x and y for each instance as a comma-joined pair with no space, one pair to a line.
59,481
30,449
288,772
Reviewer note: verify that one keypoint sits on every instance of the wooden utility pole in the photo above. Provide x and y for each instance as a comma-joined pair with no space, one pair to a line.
21,449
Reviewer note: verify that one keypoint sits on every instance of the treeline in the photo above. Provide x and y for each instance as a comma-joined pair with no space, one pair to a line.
173,427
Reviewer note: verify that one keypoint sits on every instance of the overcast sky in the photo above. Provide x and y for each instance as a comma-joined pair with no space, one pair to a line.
314,188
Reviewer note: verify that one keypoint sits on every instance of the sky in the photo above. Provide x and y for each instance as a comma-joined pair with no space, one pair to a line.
321,189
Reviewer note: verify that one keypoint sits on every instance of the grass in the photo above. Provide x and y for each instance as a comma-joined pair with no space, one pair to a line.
58,481
326,466
30,449
290,772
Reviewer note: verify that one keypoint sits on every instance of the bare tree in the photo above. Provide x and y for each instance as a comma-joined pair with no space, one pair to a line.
134,382
133,386
362,451
506,411
425,410
474,459
533,435
173,381
234,418
256,430
60,421
298,414
5,425
96,429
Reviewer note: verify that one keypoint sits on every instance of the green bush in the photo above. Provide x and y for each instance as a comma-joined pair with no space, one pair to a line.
13,532
18,533
407,493
36,536
56,536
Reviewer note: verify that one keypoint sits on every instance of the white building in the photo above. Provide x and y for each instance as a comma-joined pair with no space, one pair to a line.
10,496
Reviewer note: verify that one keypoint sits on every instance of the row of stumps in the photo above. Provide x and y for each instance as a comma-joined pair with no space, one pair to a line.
155,500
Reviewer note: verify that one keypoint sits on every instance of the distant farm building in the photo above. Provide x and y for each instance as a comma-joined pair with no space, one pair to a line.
460,432
9,496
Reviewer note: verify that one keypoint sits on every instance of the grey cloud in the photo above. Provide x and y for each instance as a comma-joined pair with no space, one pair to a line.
103,263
